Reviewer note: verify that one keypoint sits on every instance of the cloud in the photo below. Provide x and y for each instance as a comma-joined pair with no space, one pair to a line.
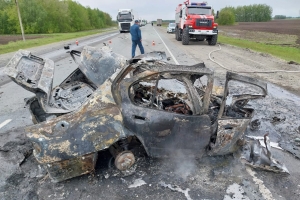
154,9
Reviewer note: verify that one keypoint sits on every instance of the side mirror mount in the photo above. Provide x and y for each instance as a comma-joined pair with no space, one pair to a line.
180,15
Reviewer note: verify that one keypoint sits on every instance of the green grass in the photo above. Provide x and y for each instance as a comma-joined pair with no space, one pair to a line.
165,24
286,53
46,39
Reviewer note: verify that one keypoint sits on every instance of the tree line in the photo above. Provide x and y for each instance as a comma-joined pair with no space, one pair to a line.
279,17
250,13
50,16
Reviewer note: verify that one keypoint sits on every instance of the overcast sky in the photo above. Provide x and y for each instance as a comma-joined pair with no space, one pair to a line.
165,9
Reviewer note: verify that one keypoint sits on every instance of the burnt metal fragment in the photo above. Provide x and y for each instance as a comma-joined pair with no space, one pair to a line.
276,119
254,125
257,156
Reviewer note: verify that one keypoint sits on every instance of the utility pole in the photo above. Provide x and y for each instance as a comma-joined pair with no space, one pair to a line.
20,20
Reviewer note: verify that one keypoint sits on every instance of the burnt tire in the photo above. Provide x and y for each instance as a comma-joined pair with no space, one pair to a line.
213,40
185,36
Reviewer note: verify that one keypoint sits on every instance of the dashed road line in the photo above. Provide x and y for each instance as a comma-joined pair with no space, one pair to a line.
5,123
173,57
265,192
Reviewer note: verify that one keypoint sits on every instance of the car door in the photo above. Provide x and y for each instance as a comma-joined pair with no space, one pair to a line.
235,114
163,113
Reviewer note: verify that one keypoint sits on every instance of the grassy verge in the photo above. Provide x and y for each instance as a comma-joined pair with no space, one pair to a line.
165,24
46,39
286,53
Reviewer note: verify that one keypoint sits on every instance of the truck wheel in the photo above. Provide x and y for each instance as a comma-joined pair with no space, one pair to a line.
213,40
179,36
185,36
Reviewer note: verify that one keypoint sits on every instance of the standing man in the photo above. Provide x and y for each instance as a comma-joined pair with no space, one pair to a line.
136,37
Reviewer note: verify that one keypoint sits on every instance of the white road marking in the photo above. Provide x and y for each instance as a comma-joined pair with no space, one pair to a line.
177,63
265,192
4,123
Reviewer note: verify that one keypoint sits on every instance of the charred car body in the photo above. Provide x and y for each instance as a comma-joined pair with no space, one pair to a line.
108,102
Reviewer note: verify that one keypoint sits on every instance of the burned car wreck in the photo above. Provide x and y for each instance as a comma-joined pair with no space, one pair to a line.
108,102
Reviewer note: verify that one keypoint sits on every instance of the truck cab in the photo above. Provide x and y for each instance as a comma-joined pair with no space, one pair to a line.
125,19
195,21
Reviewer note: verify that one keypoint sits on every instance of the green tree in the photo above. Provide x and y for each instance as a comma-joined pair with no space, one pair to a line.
251,13
50,16
34,16
226,17
12,20
280,17
79,17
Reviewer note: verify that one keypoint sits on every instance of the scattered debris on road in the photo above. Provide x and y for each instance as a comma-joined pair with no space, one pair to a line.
137,183
255,124
235,191
261,141
177,189
258,156
67,46
291,146
14,149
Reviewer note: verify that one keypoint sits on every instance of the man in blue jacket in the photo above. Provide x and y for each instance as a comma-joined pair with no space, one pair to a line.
136,37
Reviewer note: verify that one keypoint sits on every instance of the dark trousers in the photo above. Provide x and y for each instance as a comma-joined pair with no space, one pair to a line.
134,43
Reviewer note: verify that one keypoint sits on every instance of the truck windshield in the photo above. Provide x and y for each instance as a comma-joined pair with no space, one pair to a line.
172,25
126,17
199,11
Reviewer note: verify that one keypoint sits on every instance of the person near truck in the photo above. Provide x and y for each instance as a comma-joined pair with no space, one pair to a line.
136,38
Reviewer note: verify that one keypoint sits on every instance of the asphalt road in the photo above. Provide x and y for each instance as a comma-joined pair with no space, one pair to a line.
222,177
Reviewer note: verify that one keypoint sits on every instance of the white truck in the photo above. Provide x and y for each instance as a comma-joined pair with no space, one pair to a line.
158,22
125,19
143,22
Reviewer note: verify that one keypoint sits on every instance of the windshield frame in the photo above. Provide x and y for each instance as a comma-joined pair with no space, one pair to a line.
173,25
204,10
125,16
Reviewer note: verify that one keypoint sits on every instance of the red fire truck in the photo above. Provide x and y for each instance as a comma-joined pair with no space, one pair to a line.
195,21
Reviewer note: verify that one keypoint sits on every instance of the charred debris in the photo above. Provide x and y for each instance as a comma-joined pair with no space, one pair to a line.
111,103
